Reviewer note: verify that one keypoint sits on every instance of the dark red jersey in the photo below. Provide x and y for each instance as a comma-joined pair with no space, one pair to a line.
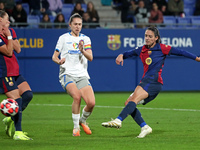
9,66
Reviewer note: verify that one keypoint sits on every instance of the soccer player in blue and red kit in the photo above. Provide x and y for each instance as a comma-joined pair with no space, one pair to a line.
152,55
12,84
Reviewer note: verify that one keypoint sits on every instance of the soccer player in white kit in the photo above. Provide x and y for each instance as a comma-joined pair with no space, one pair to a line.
74,49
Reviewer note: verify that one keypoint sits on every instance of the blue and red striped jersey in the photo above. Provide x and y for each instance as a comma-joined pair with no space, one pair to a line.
9,66
153,59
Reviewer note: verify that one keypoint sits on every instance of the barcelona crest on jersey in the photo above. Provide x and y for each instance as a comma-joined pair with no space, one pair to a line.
114,42
148,61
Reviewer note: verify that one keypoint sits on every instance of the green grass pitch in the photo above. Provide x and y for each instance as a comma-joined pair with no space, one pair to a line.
173,116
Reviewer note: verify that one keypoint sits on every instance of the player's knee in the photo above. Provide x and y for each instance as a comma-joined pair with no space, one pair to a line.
77,98
91,104
26,98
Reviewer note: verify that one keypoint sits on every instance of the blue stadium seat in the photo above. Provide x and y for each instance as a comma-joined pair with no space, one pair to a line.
169,21
52,18
189,7
195,20
189,2
33,21
189,11
84,6
67,9
183,22
26,7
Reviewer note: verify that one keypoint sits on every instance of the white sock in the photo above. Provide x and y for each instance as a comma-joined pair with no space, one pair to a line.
76,118
84,116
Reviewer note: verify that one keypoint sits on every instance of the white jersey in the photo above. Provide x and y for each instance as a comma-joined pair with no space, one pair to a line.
75,62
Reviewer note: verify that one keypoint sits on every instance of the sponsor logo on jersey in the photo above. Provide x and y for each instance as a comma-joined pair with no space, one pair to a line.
114,42
149,52
148,60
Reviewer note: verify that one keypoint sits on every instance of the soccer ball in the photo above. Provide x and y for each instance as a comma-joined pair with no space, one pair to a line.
9,107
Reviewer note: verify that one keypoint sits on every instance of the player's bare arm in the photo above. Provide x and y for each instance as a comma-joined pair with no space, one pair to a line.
7,49
88,54
16,46
56,59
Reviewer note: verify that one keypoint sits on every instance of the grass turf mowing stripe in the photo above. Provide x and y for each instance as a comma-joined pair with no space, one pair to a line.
174,109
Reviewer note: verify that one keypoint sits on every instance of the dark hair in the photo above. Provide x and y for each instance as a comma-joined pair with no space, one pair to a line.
58,15
156,33
76,15
45,14
93,11
2,13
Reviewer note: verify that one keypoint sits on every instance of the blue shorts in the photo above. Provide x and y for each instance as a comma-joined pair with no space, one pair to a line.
152,88
10,83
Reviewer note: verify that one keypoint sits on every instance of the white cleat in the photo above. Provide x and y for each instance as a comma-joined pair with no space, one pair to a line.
145,131
113,124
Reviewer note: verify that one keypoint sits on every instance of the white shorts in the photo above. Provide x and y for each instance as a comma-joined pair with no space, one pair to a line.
79,81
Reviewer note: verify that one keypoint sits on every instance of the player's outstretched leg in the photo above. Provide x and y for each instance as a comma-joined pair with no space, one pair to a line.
19,135
145,131
9,123
113,123
117,123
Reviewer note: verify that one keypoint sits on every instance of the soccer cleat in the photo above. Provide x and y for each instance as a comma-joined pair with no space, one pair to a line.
85,127
145,131
140,102
9,123
76,132
113,124
19,135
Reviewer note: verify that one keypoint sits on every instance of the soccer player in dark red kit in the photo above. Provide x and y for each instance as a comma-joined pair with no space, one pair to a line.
152,55
12,84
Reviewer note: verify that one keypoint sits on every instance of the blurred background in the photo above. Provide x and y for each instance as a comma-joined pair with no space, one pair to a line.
114,26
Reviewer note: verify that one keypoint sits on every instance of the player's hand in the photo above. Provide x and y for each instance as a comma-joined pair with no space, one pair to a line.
119,60
62,61
6,31
80,45
197,59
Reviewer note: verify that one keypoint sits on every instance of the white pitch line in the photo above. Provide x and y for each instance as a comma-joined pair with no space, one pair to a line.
168,109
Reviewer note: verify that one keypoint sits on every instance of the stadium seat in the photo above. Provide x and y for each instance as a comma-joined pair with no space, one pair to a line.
67,9
195,20
189,11
169,21
189,7
26,7
52,18
84,6
189,2
106,2
183,22
33,21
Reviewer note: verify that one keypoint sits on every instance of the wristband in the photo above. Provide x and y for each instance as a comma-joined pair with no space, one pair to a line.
9,37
